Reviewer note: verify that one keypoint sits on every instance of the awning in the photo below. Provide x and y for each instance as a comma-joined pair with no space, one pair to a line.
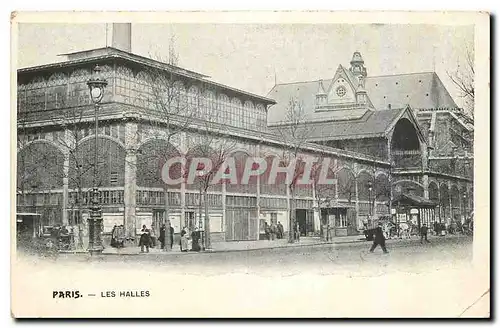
413,200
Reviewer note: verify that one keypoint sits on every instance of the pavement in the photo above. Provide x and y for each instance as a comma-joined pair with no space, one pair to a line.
240,246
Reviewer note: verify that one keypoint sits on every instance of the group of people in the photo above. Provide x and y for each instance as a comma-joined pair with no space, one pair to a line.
379,237
195,237
149,239
274,231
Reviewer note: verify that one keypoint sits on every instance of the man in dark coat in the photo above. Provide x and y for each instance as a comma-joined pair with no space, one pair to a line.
423,234
280,230
162,236
379,239
145,239
171,237
195,236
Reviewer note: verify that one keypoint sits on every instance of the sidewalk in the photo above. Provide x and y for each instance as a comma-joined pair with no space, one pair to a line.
235,246
242,246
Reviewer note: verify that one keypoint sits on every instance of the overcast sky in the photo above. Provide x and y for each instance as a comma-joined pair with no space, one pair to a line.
249,57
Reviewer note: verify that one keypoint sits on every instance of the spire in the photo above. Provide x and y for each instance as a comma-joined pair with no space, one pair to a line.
321,88
357,65
321,95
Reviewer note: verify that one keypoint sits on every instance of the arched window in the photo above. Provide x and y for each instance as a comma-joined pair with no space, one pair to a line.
210,106
225,109
193,101
57,90
78,89
261,119
124,80
249,115
35,94
236,113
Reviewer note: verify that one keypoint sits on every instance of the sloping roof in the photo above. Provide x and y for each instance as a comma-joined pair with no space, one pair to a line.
305,93
371,124
419,90
99,54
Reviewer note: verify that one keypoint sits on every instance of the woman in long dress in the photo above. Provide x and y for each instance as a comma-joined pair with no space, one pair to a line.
195,236
184,240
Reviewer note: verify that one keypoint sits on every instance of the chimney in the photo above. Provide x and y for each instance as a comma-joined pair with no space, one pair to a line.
119,36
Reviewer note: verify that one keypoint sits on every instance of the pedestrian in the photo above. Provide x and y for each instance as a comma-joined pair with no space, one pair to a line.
379,239
120,236
114,238
152,233
280,230
162,236
184,240
267,231
423,233
171,236
273,230
145,239
297,231
195,236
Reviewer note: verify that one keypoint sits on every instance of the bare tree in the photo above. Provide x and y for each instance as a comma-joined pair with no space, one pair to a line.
325,193
208,142
463,79
294,134
168,113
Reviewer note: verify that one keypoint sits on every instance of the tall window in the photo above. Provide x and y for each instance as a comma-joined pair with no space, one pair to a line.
236,113
225,109
193,101
78,89
57,91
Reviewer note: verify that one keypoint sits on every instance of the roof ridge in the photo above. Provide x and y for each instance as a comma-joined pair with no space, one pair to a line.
309,81
368,77
400,74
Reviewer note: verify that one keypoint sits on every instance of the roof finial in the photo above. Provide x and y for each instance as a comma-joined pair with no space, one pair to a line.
357,65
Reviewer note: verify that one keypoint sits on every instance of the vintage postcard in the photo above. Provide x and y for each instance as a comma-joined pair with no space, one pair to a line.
250,164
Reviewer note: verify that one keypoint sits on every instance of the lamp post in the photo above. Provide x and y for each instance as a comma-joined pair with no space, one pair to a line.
370,198
463,204
96,86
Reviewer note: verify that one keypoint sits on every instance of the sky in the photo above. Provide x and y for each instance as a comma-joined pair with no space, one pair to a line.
252,57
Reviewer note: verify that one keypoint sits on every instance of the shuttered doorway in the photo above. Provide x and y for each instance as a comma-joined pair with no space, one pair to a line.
241,224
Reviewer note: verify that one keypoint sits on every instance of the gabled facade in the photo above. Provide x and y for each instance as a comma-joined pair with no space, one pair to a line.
409,120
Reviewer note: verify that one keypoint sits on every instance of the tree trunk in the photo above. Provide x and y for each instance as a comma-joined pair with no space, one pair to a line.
200,210
208,243
166,221
291,230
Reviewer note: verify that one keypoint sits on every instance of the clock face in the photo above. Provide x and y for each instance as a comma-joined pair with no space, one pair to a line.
341,91
96,93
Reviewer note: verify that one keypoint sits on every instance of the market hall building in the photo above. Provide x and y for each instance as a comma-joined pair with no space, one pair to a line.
385,136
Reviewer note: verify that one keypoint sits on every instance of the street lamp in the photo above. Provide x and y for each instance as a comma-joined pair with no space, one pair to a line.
96,86
370,197
463,204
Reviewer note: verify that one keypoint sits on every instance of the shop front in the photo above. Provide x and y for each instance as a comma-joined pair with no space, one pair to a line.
414,211
338,221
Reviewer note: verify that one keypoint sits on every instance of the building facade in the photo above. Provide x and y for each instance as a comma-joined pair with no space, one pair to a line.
375,152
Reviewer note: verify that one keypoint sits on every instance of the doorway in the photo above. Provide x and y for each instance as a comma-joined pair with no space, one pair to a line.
190,220
305,219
